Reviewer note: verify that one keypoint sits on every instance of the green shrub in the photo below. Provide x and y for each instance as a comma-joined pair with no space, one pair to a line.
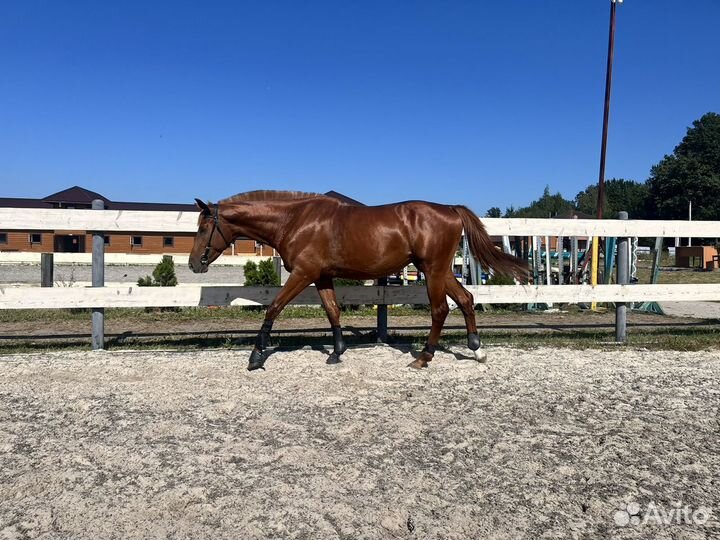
262,274
162,276
344,282
497,279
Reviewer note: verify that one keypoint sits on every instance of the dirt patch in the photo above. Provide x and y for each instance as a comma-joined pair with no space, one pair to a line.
544,443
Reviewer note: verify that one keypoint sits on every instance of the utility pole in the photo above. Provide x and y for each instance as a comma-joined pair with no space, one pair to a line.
603,148
606,112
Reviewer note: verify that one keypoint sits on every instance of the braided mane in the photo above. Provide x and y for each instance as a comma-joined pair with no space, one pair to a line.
270,195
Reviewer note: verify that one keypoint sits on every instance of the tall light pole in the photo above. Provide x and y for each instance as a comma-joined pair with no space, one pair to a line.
606,112
603,148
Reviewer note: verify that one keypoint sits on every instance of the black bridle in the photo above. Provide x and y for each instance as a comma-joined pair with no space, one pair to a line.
204,260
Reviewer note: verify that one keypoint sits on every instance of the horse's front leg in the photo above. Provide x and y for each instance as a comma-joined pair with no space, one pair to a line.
294,286
326,290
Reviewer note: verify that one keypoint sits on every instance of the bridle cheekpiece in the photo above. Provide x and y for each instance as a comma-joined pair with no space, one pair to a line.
204,260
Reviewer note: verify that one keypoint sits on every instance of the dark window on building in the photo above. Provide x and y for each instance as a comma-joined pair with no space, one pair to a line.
168,241
136,241
35,238
107,240
3,238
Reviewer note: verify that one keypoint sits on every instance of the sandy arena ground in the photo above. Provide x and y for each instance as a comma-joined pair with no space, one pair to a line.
535,444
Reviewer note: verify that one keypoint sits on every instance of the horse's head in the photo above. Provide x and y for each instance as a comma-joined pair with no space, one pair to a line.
211,239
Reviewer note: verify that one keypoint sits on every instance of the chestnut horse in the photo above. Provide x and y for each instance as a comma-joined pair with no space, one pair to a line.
320,238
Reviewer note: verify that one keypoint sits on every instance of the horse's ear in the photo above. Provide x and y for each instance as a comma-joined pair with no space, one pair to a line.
202,206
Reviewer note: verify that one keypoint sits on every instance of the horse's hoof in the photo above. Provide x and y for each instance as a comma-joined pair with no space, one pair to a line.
256,360
334,358
253,367
480,356
422,361
418,364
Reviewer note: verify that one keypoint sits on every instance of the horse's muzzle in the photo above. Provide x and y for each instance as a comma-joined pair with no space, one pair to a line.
200,269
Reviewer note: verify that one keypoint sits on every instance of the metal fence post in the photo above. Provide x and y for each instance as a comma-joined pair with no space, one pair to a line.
623,267
98,280
46,269
382,316
277,263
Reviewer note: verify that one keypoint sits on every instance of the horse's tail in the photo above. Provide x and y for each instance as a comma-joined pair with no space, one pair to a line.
483,249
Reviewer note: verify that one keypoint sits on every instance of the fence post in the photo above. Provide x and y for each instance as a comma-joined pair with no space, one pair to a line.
623,267
98,280
277,263
382,317
46,269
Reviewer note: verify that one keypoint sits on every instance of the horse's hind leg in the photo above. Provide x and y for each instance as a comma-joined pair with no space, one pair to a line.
462,297
438,311
329,301
294,286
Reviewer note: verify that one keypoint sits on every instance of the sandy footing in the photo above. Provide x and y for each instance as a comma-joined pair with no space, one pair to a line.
534,444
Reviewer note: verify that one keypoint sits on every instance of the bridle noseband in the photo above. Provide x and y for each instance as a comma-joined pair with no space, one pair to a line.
204,260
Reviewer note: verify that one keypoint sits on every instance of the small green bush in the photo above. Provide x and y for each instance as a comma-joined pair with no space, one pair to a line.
497,279
163,275
262,274
344,282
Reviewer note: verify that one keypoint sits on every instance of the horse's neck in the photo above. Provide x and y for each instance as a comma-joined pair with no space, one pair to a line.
261,221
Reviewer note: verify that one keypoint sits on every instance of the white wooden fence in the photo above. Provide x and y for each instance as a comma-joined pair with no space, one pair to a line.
100,221
141,221
132,296
203,295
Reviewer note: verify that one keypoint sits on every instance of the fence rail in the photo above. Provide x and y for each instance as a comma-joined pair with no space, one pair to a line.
157,221
209,295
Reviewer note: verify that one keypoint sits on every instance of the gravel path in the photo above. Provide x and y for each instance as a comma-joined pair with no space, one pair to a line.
535,444
67,274
692,310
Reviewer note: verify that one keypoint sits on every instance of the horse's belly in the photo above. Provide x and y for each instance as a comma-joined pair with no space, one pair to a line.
372,263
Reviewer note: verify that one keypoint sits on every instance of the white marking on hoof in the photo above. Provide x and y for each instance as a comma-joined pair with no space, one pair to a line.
480,356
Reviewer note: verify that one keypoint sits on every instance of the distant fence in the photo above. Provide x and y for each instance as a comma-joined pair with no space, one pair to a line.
120,259
99,297
142,221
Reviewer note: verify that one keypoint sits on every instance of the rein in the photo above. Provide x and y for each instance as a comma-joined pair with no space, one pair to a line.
204,260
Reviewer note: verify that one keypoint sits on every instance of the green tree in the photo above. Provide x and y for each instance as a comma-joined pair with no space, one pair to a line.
262,274
493,212
620,194
690,174
163,275
546,206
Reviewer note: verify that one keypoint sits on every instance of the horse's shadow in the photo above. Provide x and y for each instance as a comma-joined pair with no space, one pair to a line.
360,340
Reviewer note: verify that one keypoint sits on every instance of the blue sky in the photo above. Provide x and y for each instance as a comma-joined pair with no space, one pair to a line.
480,103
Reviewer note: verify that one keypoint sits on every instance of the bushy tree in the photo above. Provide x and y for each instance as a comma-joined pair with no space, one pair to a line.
163,275
493,212
546,206
262,274
620,195
691,173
